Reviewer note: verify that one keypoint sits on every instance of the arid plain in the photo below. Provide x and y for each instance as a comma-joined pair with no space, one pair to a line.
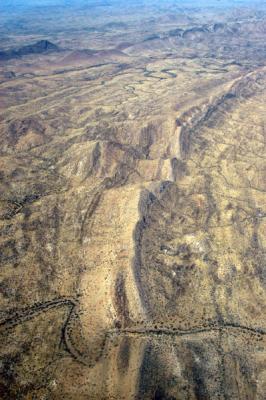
133,201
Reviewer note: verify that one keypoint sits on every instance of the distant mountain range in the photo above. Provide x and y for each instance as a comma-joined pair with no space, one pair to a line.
11,4
40,47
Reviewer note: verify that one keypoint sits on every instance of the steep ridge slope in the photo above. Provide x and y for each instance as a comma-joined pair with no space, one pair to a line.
172,242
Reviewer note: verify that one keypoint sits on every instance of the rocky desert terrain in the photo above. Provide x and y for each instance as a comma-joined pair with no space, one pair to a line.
133,200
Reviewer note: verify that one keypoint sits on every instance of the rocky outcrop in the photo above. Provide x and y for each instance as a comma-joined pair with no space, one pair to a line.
41,47
192,120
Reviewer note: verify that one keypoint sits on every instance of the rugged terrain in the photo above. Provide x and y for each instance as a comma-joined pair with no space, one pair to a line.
132,201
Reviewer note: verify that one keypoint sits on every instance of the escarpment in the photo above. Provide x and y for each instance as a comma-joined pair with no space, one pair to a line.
192,120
